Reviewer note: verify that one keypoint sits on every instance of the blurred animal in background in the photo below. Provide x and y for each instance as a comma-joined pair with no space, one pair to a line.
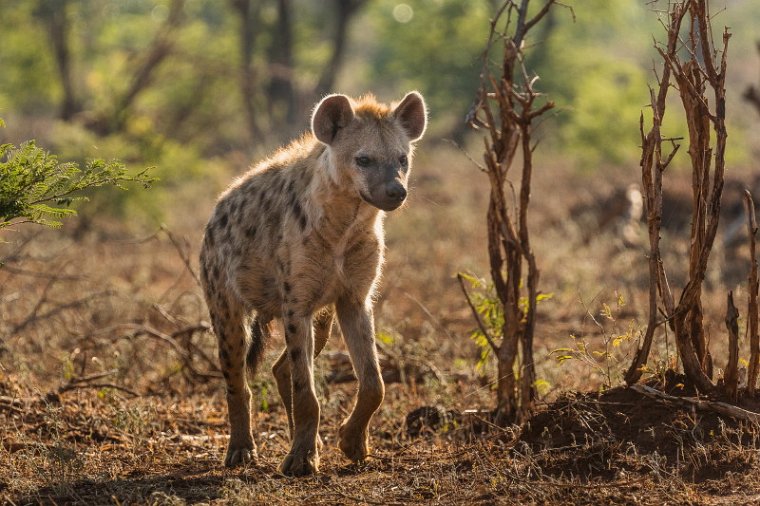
300,238
622,213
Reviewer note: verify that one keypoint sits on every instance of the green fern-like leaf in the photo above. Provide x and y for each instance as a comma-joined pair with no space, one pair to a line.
35,187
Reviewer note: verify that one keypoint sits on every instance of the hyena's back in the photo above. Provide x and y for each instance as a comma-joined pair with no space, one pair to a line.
255,226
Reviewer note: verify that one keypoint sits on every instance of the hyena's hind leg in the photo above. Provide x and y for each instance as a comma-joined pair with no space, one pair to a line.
281,369
230,321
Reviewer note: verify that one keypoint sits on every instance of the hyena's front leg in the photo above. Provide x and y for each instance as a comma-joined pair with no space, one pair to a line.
303,458
232,333
357,325
281,368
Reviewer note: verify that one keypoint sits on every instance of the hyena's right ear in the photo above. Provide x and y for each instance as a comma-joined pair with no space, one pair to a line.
331,114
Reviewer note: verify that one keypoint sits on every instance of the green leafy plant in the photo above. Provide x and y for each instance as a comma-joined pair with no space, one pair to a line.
608,359
491,312
35,187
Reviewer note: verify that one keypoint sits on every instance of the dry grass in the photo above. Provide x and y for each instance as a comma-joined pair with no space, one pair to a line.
109,391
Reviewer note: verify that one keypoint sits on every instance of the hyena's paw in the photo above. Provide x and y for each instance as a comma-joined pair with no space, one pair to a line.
353,443
240,454
300,463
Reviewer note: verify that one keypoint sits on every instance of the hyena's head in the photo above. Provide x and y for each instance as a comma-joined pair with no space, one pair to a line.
371,144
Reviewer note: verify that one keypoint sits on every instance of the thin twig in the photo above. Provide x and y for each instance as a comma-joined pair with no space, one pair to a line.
82,386
476,315
182,254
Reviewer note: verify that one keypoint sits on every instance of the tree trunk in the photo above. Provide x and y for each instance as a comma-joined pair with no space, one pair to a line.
280,91
55,15
248,14
345,10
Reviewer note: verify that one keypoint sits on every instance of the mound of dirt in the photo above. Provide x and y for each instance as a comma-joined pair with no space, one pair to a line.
621,431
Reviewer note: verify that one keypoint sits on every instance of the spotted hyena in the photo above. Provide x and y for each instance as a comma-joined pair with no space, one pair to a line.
300,238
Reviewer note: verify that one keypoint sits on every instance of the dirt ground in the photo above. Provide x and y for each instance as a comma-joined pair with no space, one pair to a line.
110,392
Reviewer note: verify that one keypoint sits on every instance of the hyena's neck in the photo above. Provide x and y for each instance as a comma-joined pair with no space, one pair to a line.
335,203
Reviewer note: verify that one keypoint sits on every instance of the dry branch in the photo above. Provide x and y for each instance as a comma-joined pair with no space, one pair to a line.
752,287
731,374
171,341
701,404
477,317
183,254
506,108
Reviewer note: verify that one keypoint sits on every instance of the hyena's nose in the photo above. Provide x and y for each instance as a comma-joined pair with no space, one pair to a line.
396,192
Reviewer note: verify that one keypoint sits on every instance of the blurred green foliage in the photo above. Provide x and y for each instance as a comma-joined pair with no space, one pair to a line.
163,82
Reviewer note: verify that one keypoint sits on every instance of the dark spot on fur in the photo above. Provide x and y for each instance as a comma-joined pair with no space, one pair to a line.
224,355
210,236
295,353
225,374
289,313
216,271
291,328
223,220
251,232
286,287
299,214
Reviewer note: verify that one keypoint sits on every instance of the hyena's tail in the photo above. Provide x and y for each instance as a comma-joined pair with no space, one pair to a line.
259,336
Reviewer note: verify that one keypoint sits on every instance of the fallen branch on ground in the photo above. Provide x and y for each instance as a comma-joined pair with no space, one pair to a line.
701,404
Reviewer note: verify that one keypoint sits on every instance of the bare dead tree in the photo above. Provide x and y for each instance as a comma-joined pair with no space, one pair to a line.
700,71
506,108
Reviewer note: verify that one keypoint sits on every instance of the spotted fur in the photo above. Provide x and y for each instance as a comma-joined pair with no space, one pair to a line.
299,238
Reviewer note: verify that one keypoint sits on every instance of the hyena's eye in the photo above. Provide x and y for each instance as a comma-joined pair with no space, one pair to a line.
363,161
403,160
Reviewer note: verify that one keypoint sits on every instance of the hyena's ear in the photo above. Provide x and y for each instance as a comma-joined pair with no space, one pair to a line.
331,114
412,114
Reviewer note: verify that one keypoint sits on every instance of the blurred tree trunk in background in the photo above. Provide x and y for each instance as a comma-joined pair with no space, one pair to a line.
281,99
248,14
275,94
286,103
54,14
345,10
162,45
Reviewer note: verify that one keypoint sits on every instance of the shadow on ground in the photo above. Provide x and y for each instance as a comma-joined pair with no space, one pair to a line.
190,487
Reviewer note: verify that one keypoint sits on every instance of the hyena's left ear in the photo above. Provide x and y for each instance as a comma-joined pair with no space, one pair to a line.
412,114
331,114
